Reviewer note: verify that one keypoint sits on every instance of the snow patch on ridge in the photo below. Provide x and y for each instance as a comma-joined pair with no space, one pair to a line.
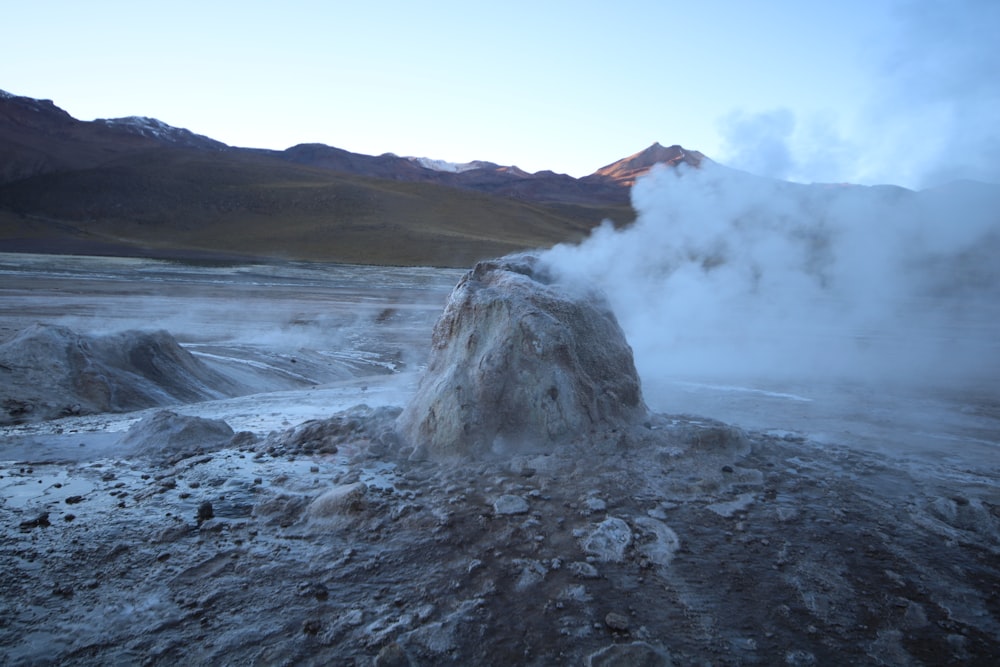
450,167
156,129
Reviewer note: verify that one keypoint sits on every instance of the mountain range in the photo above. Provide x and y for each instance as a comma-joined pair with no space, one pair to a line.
138,186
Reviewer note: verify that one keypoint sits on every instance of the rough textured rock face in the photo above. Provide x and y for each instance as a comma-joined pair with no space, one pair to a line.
518,365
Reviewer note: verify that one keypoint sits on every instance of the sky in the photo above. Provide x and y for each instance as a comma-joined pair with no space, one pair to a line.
865,91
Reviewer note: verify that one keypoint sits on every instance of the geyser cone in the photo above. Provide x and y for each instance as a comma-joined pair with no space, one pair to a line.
521,365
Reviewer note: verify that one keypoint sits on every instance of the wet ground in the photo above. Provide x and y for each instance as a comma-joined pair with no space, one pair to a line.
811,536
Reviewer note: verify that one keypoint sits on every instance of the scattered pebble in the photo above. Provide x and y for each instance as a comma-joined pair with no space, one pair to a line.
510,504
616,621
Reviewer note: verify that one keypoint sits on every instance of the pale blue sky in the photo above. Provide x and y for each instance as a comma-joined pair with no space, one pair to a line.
803,90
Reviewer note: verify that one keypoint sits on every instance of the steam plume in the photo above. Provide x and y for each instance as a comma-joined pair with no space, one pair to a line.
728,275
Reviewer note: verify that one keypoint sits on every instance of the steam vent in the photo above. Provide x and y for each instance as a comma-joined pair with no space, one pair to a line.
521,365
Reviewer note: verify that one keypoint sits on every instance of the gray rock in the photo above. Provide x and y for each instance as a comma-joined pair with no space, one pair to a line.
392,655
616,621
339,501
49,371
583,570
608,540
530,572
594,504
521,365
664,543
168,435
509,504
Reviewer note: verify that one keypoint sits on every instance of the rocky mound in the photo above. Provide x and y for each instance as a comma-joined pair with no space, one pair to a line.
521,365
50,371
169,436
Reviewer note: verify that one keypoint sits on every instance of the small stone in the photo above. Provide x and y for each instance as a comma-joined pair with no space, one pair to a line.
341,500
73,500
608,540
594,504
616,621
314,589
392,655
583,570
205,512
509,504
353,618
41,521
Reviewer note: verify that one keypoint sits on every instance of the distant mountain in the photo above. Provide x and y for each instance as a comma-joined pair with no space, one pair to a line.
625,171
137,185
503,181
37,137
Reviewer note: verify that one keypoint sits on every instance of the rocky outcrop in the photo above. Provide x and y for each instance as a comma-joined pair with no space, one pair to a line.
50,371
519,364
626,171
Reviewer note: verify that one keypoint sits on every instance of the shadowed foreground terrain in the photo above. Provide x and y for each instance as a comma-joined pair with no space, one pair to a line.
705,543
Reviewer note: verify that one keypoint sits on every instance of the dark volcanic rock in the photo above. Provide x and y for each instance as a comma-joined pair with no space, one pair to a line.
520,365
50,371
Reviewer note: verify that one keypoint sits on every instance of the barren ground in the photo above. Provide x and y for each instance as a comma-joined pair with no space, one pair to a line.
703,544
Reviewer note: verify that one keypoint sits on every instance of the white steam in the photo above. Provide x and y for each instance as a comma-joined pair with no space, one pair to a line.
730,276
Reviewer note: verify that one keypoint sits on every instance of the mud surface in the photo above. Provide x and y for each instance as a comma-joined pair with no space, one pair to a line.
313,540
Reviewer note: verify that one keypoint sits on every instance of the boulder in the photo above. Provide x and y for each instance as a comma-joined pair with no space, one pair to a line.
168,436
520,364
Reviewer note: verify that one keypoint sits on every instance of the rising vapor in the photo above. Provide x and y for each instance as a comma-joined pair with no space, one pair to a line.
729,275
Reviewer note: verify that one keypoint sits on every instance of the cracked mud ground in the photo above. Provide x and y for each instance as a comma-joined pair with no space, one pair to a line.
320,546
